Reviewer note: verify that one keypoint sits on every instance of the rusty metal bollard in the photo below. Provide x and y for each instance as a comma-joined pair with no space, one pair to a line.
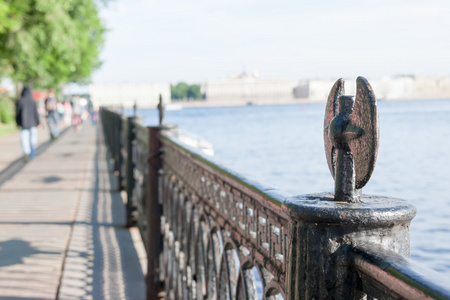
326,226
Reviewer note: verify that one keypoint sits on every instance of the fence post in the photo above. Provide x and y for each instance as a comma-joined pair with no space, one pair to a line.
324,226
120,159
153,214
323,232
130,206
116,147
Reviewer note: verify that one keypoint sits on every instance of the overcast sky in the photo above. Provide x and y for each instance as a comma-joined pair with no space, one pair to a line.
197,40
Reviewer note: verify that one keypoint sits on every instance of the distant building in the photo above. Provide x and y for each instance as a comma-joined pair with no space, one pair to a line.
437,87
127,94
387,88
244,89
313,90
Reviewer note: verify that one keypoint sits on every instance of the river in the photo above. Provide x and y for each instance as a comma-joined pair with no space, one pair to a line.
282,146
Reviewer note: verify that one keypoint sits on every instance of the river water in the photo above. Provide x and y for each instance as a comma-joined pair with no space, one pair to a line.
282,146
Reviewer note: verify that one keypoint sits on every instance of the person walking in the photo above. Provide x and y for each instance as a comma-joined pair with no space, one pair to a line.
51,106
92,112
27,118
77,110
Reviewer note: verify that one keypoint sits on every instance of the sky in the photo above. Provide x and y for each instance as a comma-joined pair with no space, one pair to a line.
197,40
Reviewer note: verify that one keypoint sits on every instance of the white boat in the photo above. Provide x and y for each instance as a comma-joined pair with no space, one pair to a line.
192,140
173,106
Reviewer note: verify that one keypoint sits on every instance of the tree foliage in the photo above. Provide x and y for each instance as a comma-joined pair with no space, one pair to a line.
194,92
48,42
185,91
7,112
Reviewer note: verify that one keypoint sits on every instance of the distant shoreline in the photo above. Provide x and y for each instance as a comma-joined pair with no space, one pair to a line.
201,103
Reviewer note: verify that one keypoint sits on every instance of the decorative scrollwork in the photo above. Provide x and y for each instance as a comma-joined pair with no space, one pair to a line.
139,154
219,231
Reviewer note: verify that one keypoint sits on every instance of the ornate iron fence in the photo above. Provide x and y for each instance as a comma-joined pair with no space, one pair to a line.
214,234
223,238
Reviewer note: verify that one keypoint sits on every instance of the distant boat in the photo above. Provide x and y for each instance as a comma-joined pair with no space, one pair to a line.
192,140
173,106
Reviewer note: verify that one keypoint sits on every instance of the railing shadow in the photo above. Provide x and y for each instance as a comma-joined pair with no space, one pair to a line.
102,262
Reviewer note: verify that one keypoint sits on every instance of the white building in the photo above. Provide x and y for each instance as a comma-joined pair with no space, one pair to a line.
245,89
127,94
388,88
313,90
436,87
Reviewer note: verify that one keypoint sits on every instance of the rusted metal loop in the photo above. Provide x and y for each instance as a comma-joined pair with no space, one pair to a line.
273,289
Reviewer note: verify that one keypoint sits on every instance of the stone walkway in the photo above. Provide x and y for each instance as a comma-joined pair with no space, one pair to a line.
62,226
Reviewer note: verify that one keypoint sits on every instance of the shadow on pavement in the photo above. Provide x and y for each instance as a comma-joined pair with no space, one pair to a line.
16,250
17,165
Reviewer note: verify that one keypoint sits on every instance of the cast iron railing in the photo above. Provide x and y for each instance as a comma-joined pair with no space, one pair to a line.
211,233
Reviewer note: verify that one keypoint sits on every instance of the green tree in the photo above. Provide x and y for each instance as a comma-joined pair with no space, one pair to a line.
194,92
7,111
185,91
179,91
49,42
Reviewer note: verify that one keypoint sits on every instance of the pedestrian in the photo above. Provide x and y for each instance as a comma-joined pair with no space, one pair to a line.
76,112
27,118
67,113
51,106
60,109
92,112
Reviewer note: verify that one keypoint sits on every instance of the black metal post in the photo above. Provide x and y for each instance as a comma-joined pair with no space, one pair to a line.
120,159
161,110
323,232
153,208
130,206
